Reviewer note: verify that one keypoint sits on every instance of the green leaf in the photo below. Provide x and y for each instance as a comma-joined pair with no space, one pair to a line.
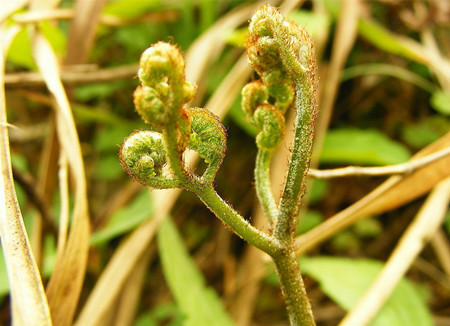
237,37
345,281
20,51
164,314
96,91
447,223
318,191
362,147
314,23
129,9
55,37
200,304
49,258
108,168
425,131
440,101
89,114
125,219
109,139
308,221
4,285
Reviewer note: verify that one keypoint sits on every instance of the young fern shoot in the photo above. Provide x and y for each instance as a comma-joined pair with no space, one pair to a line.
282,54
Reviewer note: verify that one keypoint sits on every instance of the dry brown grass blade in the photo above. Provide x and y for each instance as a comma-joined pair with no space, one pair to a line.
7,7
251,271
421,230
394,192
82,30
29,303
441,246
43,4
64,210
21,79
131,293
65,285
122,263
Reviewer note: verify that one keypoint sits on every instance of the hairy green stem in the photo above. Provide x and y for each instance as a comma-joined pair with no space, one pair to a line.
235,221
173,154
263,185
298,306
211,171
287,267
300,157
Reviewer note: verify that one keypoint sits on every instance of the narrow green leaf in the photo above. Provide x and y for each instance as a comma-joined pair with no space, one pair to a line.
425,131
362,147
20,51
4,284
385,40
125,219
108,167
388,70
345,281
308,221
200,304
55,37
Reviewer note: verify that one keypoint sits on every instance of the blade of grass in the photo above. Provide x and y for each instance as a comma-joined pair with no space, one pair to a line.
130,298
248,279
65,284
123,261
421,230
29,303
83,29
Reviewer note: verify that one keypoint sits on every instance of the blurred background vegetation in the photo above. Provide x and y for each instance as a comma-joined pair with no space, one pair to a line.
384,95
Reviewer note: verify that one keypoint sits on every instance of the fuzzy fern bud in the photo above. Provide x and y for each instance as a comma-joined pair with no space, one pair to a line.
161,62
150,106
143,156
278,44
164,90
253,95
208,135
271,122
280,88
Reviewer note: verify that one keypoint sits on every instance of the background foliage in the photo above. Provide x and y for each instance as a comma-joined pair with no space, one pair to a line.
385,92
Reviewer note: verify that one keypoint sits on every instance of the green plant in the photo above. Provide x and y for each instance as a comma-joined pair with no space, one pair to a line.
282,53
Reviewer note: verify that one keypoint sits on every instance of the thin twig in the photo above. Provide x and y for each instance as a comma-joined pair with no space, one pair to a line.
37,16
22,79
403,168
